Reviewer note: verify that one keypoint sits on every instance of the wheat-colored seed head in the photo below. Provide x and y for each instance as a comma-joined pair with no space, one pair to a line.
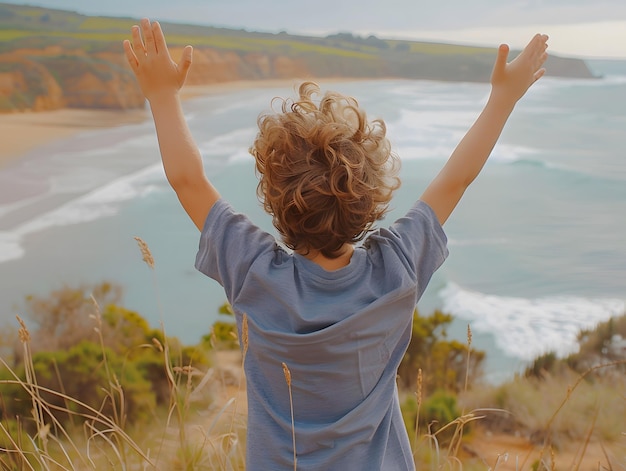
213,338
157,343
44,432
186,370
419,387
287,374
95,303
23,332
244,334
469,336
145,252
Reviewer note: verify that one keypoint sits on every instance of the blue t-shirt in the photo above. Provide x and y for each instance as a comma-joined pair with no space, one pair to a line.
342,334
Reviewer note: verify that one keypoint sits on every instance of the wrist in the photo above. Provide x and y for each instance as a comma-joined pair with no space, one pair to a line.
163,99
502,100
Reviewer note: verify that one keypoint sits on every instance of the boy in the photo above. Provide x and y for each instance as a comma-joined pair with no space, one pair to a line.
338,315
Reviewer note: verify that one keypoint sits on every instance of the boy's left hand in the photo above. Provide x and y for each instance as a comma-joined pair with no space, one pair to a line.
150,60
510,81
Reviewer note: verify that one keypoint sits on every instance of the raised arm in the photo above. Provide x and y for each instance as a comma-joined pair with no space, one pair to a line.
161,79
509,82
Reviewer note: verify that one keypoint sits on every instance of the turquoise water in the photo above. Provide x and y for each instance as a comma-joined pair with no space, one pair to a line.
536,246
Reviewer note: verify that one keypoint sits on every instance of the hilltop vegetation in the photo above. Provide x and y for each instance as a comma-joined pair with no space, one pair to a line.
52,59
92,385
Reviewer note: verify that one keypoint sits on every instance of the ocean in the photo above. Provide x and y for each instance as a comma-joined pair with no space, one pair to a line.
537,245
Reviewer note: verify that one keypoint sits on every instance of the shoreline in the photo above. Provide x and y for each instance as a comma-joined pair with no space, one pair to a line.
26,131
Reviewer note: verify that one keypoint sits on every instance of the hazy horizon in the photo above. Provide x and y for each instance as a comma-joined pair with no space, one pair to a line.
577,28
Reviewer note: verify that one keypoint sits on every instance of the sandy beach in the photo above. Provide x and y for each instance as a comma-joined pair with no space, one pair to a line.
23,132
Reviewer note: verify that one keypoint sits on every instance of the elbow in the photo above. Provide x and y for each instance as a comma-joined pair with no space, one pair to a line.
181,182
177,180
460,184
465,183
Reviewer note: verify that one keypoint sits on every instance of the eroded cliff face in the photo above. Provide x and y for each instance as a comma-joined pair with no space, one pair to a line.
48,79
27,85
211,66
52,77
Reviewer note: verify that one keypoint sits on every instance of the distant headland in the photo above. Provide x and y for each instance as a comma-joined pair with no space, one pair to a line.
53,59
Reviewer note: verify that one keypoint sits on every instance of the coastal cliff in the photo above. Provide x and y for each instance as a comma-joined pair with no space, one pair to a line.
37,81
55,59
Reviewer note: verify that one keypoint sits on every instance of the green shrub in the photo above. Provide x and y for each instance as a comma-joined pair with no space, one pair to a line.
90,376
443,362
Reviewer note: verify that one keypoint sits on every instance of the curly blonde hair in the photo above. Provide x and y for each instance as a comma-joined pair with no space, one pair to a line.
326,174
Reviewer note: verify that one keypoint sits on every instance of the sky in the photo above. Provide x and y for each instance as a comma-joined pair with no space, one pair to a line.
577,28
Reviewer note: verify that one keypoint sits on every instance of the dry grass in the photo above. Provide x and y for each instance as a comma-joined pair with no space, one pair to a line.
99,441
203,429
566,419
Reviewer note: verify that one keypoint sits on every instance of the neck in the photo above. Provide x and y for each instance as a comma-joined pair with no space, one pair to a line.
331,264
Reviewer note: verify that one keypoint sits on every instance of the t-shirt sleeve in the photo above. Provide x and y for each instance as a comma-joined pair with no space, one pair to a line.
418,240
229,244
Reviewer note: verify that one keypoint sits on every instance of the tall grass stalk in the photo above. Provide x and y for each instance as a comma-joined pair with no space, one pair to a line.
287,374
418,396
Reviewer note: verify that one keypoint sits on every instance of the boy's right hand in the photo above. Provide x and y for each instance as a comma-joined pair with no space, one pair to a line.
510,81
150,60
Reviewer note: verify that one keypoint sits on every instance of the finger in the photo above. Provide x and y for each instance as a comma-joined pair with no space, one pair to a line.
538,44
138,45
130,55
148,36
159,37
540,73
501,58
185,63
537,40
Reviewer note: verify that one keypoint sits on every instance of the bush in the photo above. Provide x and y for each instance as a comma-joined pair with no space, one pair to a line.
443,362
88,375
113,362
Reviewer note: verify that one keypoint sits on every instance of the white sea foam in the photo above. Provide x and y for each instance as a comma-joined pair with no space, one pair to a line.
547,83
438,92
487,242
111,146
418,135
437,141
222,105
10,247
20,203
615,79
78,179
101,202
526,328
232,146
506,153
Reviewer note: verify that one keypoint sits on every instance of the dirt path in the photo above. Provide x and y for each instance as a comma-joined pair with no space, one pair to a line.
515,453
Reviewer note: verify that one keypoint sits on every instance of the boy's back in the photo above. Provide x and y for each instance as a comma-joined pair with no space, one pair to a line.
342,334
